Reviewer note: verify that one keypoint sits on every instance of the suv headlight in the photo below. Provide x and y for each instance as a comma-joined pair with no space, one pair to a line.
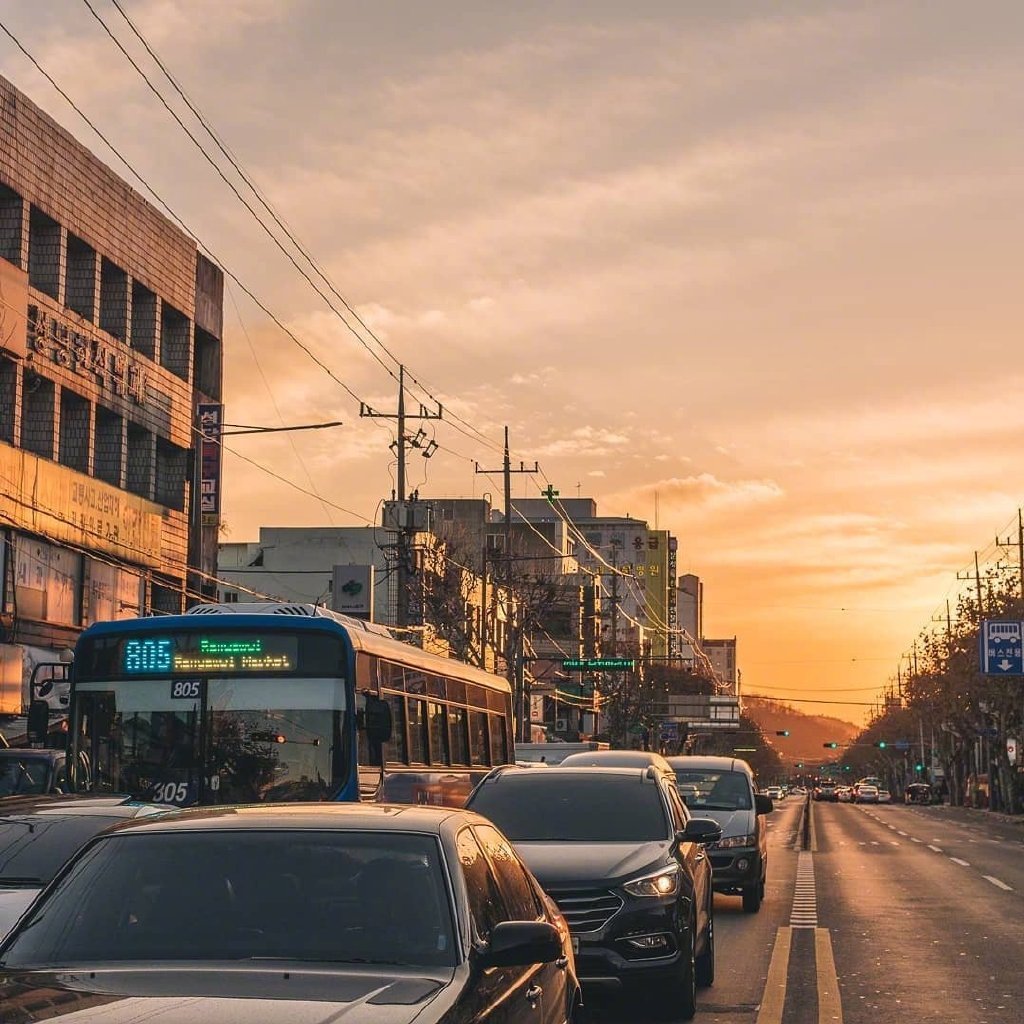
659,883
734,841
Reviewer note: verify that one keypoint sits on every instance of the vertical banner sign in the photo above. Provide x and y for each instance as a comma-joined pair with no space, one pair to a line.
674,641
211,422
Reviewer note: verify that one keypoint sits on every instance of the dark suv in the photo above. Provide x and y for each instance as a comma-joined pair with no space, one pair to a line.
618,852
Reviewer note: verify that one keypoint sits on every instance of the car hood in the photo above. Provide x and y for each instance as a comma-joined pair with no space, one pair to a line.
562,864
218,994
734,823
13,903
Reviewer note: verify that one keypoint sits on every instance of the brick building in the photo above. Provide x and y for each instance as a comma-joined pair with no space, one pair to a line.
110,341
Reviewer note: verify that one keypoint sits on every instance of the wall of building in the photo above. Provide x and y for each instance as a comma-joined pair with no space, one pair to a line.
102,364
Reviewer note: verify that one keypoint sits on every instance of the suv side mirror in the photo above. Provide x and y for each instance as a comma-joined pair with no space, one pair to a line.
763,804
522,944
700,830
377,720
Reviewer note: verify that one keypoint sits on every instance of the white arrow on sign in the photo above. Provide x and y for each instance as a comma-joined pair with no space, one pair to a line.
1005,665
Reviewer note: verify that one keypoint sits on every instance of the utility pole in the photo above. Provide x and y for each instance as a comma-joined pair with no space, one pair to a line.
1019,545
406,510
516,668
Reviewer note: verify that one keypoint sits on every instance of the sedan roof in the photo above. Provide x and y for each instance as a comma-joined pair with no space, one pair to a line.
320,816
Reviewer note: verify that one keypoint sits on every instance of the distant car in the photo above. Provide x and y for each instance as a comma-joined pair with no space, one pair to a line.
826,792
303,912
844,794
620,759
723,788
618,852
38,834
884,796
774,793
865,794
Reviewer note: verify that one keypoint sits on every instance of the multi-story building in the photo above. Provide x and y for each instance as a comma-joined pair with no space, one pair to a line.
110,350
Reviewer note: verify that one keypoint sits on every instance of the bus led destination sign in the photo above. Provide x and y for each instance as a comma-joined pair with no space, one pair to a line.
172,655
598,664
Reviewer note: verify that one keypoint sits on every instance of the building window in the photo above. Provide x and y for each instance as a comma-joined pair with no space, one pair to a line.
208,363
175,342
231,597
80,289
141,454
8,399
171,470
144,320
113,300
75,430
108,459
37,414
166,597
11,207
44,238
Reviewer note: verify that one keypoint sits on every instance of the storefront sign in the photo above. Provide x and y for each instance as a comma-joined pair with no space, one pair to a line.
69,507
211,422
111,366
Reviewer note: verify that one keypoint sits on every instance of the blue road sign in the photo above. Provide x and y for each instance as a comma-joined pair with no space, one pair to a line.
1002,647
902,744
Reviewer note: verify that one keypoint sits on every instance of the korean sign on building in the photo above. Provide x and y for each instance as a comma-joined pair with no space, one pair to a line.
211,423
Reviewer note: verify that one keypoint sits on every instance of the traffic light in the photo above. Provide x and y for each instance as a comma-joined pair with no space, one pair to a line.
918,767
881,744
781,732
269,737
847,768
799,764
830,746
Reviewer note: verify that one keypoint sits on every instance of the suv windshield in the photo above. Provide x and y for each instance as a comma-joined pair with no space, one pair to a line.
709,790
20,775
582,807
340,897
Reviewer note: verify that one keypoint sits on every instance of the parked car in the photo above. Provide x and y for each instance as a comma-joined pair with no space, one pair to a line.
723,788
620,855
38,834
918,793
865,794
381,913
884,796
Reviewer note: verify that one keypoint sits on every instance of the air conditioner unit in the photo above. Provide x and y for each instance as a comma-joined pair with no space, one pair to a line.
561,725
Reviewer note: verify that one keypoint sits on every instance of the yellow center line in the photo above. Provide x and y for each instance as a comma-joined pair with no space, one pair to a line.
774,1000
830,1007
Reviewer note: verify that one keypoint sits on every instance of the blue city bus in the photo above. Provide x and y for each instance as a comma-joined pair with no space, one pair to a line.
244,703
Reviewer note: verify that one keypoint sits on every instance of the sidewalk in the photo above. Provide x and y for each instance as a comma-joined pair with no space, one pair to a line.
975,814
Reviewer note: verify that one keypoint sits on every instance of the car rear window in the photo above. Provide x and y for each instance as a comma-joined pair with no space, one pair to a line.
585,807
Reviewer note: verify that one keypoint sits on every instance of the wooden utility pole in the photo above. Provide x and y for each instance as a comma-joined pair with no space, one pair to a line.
406,510
515,667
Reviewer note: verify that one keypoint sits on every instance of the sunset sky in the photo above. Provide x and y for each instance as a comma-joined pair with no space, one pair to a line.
759,260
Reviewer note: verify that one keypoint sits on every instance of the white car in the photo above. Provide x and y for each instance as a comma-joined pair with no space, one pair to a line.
774,792
865,794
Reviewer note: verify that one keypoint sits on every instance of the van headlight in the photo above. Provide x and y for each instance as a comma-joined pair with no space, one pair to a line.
733,841
659,883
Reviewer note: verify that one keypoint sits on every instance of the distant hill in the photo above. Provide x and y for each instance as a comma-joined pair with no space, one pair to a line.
807,733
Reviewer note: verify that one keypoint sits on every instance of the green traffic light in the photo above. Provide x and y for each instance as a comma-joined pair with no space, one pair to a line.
830,746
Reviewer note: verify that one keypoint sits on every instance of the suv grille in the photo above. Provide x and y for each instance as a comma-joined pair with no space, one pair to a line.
586,910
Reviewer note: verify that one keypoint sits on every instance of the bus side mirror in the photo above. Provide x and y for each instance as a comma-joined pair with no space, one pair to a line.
38,721
377,720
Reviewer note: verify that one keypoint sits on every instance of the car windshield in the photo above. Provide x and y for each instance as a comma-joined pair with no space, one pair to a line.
20,776
584,807
33,847
325,896
712,790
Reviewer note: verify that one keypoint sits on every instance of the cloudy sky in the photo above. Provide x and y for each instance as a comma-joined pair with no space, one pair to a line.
758,260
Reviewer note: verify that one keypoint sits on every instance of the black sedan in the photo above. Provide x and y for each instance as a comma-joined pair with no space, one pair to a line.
38,834
299,913
619,853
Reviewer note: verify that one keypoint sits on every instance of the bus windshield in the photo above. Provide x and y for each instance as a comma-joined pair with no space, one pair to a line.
185,719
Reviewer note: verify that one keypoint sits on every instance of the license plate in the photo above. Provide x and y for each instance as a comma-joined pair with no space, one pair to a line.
575,944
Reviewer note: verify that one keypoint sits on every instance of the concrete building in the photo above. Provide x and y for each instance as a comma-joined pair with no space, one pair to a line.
722,654
690,605
110,347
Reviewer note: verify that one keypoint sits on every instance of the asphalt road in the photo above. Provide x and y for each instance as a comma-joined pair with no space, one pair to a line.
895,914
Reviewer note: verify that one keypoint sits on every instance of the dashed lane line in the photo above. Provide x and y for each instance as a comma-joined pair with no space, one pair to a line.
934,849
962,863
997,883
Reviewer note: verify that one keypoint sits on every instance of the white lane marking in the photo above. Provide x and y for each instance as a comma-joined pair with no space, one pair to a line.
914,839
962,863
935,849
900,833
875,842
805,900
894,842
998,884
